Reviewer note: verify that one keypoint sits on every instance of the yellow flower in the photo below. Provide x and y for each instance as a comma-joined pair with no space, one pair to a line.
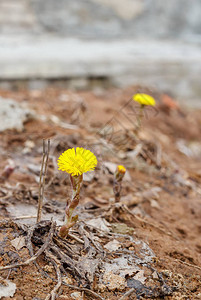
121,169
77,161
144,99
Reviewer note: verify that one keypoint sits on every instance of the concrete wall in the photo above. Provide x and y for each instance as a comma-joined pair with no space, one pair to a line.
149,42
103,18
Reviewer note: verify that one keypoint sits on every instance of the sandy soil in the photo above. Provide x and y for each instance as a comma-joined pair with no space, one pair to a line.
162,190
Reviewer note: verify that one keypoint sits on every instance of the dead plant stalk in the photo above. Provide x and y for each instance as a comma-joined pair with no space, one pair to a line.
43,172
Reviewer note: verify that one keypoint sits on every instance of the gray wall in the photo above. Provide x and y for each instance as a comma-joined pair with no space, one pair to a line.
174,19
148,42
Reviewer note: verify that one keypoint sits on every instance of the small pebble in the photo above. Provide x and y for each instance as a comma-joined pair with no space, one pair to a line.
76,296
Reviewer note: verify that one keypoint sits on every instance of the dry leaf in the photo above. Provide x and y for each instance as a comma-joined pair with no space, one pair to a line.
18,243
99,223
140,276
113,245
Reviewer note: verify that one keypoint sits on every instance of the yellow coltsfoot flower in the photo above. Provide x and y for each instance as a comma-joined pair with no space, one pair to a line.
144,99
121,169
118,177
77,161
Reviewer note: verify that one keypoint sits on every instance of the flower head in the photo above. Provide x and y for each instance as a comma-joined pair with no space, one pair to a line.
120,172
144,99
121,169
77,161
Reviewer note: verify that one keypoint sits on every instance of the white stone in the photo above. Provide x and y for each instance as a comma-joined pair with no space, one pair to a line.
13,115
76,296
114,282
7,288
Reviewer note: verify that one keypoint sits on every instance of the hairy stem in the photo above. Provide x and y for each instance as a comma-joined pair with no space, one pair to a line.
76,182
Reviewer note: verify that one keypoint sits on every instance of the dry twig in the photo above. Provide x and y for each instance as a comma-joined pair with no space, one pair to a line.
24,217
71,263
72,236
158,154
127,294
56,265
87,291
187,264
43,172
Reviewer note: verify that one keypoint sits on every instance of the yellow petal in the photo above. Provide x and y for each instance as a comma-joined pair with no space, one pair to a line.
144,99
77,161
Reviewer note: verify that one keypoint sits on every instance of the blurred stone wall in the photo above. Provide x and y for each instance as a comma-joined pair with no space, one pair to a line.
172,19
154,43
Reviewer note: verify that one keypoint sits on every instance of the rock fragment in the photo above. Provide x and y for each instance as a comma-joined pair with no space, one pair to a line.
13,115
114,282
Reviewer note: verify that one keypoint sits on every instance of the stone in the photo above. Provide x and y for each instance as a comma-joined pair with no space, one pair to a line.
13,115
114,282
76,296
140,276
7,288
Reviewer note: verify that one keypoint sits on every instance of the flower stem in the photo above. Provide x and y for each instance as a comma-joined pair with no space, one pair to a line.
140,117
76,182
118,177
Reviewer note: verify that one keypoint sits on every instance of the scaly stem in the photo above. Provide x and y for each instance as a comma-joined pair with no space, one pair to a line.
76,182
118,177
140,117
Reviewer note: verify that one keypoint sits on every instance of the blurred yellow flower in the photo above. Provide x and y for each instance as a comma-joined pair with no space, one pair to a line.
144,99
121,169
77,161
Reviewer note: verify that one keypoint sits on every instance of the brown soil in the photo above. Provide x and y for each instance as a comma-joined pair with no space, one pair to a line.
163,193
